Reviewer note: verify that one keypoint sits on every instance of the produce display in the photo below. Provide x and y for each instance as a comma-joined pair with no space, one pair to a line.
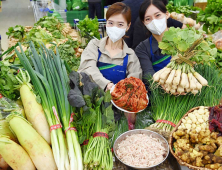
185,20
185,10
130,94
211,16
185,46
89,28
53,117
198,142
167,110
52,33
141,150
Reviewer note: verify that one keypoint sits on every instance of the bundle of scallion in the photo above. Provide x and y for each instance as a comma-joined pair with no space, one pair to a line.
98,154
50,81
167,109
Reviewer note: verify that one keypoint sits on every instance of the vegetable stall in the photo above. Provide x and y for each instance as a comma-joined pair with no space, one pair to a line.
53,117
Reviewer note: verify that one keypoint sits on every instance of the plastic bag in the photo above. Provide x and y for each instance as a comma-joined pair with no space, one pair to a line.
79,5
7,106
217,39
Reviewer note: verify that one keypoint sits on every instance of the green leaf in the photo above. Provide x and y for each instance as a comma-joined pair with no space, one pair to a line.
182,46
163,45
212,19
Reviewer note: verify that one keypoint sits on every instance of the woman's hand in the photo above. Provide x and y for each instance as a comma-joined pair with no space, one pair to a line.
109,86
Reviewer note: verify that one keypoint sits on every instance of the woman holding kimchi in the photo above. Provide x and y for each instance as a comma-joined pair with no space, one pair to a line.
109,60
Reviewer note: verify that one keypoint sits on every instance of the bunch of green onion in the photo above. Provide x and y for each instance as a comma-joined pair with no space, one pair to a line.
50,80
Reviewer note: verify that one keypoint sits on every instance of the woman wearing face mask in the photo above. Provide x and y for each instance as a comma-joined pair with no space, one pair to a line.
154,15
109,60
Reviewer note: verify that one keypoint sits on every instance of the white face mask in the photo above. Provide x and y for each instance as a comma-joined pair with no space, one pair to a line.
115,33
157,26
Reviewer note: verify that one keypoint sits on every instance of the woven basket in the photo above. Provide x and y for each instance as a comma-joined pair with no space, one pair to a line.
172,140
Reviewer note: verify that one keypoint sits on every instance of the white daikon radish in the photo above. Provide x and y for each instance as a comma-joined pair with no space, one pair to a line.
194,91
184,80
176,79
171,76
180,89
33,110
202,80
162,81
156,76
15,155
165,74
192,82
172,91
174,86
188,90
168,88
37,148
199,86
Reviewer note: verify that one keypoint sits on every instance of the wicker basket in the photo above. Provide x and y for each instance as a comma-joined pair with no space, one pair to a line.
172,140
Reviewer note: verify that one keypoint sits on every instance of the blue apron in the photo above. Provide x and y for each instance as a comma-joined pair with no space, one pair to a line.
113,72
159,62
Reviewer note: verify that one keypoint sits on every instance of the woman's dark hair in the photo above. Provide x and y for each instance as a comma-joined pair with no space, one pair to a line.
160,4
119,8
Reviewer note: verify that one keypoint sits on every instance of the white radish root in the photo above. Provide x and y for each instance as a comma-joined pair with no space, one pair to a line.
202,80
156,76
165,74
184,80
172,91
194,91
174,86
191,80
180,89
171,76
176,79
188,90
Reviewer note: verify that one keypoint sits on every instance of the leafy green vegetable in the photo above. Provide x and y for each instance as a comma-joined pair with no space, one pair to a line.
89,28
68,49
143,119
8,80
186,10
211,16
179,41
219,60
17,32
52,25
39,35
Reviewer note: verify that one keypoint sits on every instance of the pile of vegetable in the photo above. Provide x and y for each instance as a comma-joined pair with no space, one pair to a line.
211,16
180,79
17,32
185,20
185,46
8,80
186,10
197,142
50,81
167,110
52,33
89,28
95,120
130,94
